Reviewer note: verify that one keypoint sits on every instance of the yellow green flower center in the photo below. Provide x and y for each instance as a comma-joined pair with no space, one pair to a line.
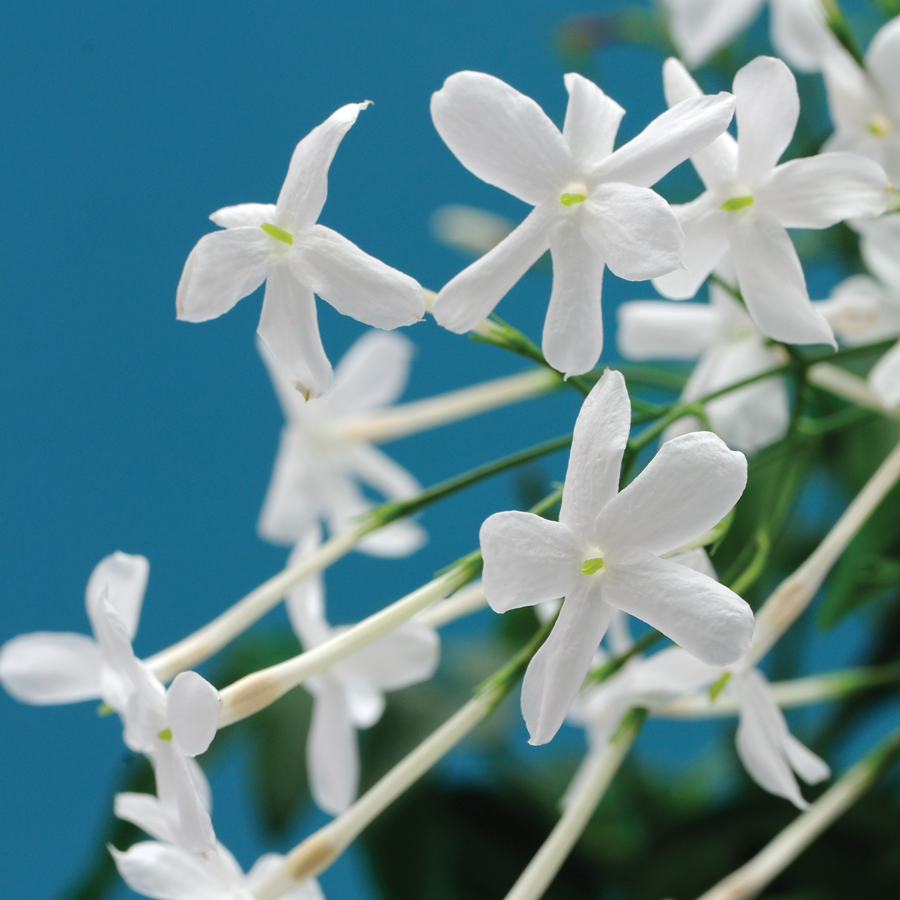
592,566
734,203
880,126
279,234
165,735
574,193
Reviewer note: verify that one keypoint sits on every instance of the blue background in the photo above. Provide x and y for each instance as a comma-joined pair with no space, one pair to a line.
123,127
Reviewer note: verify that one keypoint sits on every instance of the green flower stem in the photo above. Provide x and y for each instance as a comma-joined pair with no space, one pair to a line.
542,869
754,569
611,666
321,849
206,641
794,594
752,878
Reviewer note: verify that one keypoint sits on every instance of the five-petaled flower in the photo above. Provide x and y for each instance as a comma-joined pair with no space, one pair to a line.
592,207
169,726
604,553
750,201
319,471
282,245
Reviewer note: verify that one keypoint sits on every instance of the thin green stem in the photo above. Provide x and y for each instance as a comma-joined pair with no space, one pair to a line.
611,666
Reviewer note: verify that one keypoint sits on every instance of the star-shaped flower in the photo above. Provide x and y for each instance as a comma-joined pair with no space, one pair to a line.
750,202
592,207
770,753
605,553
165,871
169,726
282,245
865,102
728,348
798,28
319,471
350,695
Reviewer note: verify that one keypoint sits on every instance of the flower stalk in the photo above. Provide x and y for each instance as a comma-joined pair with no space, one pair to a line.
752,878
542,869
795,593
320,850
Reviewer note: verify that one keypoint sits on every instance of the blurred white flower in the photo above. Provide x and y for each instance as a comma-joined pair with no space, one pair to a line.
798,28
169,726
604,553
350,694
728,348
282,245
163,870
865,102
750,202
592,207
318,472
769,752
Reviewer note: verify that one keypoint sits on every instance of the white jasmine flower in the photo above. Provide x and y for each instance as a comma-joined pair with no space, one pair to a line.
282,245
728,348
750,202
350,694
604,553
169,726
318,472
865,103
165,871
592,207
798,28
770,753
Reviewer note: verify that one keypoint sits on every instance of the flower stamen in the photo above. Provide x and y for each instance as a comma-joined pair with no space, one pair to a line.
591,566
279,234
734,203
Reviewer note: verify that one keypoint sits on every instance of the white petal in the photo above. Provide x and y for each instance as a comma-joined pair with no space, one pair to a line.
180,800
306,185
222,268
291,499
800,34
760,739
125,578
860,310
822,190
772,283
592,120
699,614
168,873
705,243
716,164
373,373
655,329
883,62
394,541
365,703
407,655
527,559
354,283
255,214
305,602
48,667
671,672
470,297
289,328
880,248
573,328
668,140
192,708
633,229
698,560
811,768
558,669
767,108
380,472
501,136
331,752
701,27
885,377
592,478
144,811
686,489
